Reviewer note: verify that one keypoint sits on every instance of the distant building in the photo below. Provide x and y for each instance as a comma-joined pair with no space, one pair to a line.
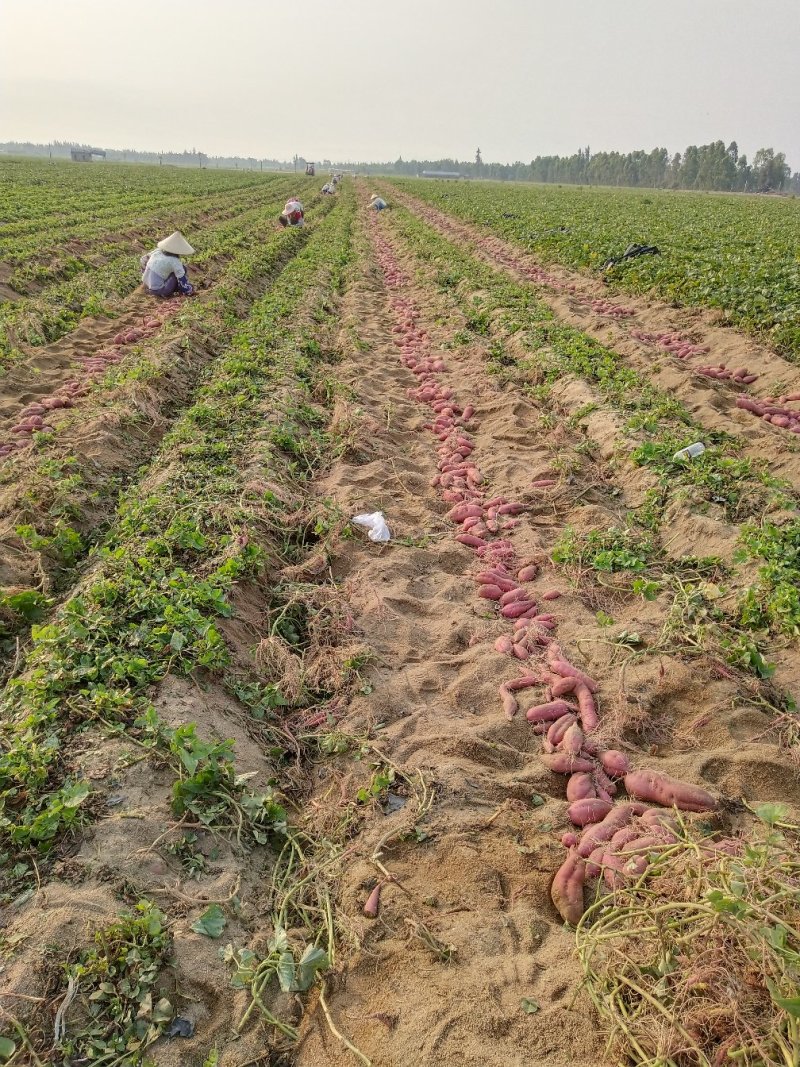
84,155
441,174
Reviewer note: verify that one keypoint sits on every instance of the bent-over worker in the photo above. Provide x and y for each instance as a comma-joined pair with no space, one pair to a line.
164,273
377,202
293,214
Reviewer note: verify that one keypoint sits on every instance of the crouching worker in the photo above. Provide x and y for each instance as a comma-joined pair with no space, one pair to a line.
377,202
164,273
292,214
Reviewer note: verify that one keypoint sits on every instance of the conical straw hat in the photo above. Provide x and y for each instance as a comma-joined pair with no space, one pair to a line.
176,243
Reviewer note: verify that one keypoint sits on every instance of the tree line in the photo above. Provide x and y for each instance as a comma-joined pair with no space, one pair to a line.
709,167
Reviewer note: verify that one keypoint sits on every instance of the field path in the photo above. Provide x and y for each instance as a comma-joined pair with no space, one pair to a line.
478,879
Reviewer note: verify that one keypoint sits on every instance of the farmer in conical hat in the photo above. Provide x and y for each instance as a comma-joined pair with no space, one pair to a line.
164,273
292,214
377,202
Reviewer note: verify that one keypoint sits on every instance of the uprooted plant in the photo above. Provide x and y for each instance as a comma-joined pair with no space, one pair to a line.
698,963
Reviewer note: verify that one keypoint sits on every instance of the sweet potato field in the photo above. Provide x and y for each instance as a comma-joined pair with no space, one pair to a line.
521,784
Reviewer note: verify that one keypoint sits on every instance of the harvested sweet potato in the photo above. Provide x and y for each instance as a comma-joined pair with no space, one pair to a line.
619,816
661,789
572,741
562,686
580,787
563,763
587,710
548,712
588,810
615,763
510,705
566,670
555,734
567,888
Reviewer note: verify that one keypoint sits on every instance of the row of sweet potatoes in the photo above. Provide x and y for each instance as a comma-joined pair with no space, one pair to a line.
618,831
34,417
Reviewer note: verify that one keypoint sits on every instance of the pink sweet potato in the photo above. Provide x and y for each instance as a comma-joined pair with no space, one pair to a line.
588,810
554,709
563,763
625,835
569,839
619,869
488,578
659,817
373,902
470,540
580,787
573,740
527,574
647,842
603,781
594,863
567,888
615,763
517,608
555,734
562,686
619,816
512,595
566,670
661,789
510,705
587,709
489,592
464,511
503,644
527,681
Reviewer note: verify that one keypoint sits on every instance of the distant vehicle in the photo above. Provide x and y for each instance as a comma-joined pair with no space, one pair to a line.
84,155
310,170
441,174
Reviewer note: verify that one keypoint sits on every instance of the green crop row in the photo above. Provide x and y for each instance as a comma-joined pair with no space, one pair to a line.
61,508
59,308
40,197
164,574
735,253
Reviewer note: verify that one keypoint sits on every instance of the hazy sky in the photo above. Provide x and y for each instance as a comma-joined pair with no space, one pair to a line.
369,79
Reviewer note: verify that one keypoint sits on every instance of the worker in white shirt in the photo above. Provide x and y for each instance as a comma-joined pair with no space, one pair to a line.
164,273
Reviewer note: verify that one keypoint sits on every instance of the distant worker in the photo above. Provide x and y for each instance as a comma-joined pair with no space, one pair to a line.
164,273
293,214
377,202
329,187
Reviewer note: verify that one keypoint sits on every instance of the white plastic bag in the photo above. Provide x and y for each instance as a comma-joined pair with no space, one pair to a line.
376,526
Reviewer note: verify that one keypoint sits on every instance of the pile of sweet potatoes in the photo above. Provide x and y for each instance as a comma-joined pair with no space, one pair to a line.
740,376
773,410
676,344
612,310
